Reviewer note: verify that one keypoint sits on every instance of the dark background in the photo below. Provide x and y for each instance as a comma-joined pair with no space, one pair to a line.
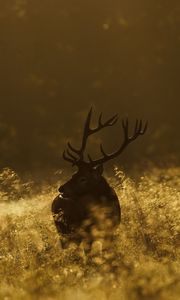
57,58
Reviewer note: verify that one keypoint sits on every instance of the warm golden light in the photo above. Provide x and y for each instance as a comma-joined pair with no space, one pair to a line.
57,59
141,264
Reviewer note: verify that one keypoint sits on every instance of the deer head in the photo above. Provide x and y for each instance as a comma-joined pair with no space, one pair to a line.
89,175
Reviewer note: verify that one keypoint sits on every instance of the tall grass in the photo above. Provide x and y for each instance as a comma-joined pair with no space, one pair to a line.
141,264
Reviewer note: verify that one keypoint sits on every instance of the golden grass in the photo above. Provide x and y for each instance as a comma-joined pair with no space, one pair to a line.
141,264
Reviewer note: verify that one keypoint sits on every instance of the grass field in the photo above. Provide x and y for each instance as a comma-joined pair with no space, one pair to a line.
141,264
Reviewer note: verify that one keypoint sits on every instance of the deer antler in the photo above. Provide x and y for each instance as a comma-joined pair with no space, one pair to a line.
76,156
87,132
139,129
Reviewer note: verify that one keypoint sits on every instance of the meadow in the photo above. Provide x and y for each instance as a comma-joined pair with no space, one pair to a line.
141,264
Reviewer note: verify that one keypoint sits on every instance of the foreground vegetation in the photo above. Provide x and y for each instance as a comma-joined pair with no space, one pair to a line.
141,264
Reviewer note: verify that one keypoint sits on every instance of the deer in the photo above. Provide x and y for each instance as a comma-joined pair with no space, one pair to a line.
87,207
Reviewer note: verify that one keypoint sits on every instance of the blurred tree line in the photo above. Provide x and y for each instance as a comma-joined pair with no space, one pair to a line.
60,57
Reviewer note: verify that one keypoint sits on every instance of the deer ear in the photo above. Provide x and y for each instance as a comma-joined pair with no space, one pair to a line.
99,170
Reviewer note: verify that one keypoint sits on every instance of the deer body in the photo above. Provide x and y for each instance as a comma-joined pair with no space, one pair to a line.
82,199
88,207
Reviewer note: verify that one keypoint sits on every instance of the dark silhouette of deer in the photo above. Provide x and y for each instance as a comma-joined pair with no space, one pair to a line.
88,207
